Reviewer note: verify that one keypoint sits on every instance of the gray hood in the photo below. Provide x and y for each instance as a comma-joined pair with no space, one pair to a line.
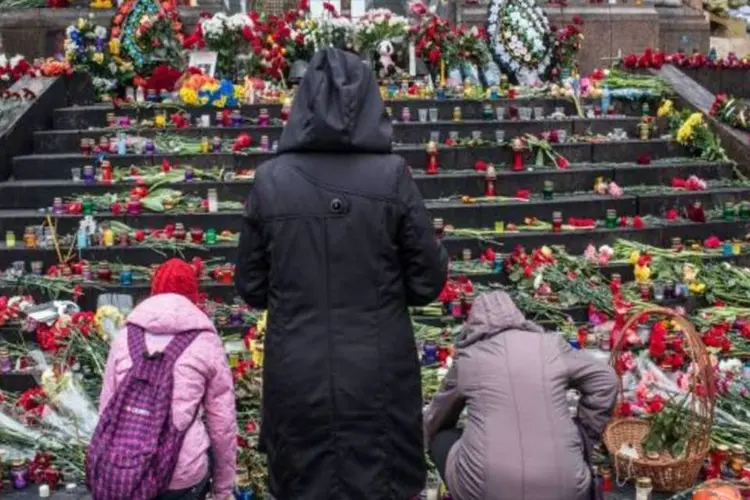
491,314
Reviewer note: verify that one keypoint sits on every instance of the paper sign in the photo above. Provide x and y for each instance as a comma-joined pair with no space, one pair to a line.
204,60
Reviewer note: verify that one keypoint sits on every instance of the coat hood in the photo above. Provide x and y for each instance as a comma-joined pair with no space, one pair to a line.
169,314
491,314
337,108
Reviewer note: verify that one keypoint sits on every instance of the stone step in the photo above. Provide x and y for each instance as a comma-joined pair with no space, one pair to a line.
453,211
85,117
58,166
413,132
659,235
447,183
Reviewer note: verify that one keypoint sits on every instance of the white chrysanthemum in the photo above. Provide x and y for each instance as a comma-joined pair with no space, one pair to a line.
15,60
100,31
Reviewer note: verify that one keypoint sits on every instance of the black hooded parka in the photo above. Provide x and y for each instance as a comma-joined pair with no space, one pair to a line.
337,243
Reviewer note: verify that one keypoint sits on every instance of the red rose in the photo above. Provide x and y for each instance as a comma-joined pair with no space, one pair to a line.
523,194
672,214
712,242
562,162
638,222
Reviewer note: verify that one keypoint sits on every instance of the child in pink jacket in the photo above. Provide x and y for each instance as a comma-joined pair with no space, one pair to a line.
202,381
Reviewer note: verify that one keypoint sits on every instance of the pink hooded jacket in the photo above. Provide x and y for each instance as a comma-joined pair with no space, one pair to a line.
201,377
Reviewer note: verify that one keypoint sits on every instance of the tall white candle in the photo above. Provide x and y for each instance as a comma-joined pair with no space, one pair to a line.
43,491
412,59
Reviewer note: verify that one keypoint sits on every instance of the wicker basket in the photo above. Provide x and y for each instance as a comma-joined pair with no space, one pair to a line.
666,473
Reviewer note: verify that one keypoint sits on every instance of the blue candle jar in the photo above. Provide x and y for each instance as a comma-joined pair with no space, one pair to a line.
149,148
726,249
498,265
429,353
440,94
82,238
126,277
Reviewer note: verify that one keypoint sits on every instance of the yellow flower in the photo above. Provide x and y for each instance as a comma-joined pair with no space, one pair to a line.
239,91
210,87
81,25
114,46
160,121
98,57
686,130
546,251
634,256
641,273
221,102
665,109
697,288
188,96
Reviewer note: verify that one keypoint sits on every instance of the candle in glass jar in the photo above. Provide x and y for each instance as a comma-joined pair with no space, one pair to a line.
82,238
19,474
264,143
134,206
466,254
106,171
457,114
29,237
103,272
210,236
148,147
37,267
108,237
196,235
726,249
216,144
610,220
126,276
405,114
548,190
263,118
556,222
205,145
643,488
429,353
85,147
439,227
57,206
729,211
10,239
490,181
744,211
487,112
235,317
645,291
236,118
6,365
213,201
88,174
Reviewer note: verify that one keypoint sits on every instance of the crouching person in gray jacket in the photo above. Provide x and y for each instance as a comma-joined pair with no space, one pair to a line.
520,441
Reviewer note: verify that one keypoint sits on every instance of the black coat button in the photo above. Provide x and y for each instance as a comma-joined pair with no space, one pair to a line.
337,206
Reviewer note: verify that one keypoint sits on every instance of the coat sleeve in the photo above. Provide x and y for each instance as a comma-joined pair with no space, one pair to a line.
251,276
221,420
423,258
445,407
597,383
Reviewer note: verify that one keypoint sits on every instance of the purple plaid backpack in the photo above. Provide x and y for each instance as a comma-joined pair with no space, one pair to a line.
134,449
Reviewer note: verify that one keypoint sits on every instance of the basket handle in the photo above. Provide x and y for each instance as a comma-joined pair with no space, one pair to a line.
697,352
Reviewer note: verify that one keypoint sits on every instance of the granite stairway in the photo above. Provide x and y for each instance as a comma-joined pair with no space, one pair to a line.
43,186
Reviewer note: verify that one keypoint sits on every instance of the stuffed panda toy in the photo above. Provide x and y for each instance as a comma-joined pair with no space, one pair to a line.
387,67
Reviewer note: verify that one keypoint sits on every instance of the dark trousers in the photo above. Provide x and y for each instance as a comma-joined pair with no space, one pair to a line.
197,492
441,445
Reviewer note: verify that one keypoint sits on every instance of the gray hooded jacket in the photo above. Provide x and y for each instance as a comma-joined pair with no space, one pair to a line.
519,441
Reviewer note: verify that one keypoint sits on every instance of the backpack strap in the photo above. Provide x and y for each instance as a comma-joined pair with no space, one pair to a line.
136,343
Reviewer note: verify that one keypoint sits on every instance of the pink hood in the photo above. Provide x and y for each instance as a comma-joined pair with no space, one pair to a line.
170,314
203,386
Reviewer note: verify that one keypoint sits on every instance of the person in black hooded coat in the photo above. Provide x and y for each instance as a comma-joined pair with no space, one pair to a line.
337,243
